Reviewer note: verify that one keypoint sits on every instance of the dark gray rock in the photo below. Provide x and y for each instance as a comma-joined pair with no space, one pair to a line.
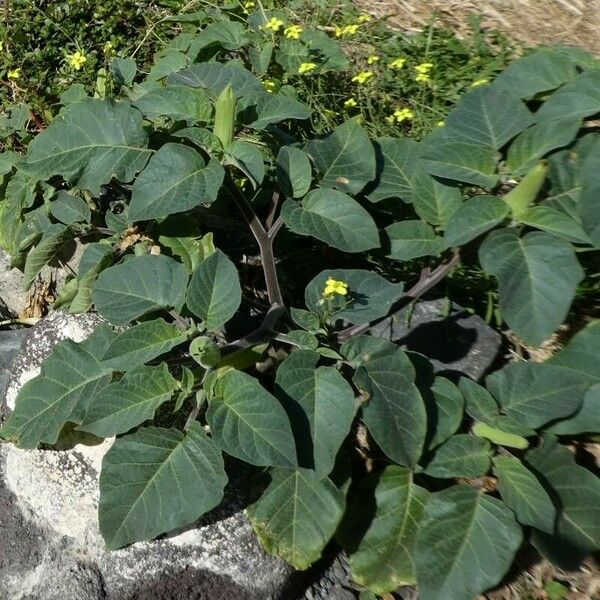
10,342
454,340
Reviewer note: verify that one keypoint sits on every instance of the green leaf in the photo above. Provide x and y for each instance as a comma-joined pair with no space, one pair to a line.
578,493
294,172
334,218
54,241
176,179
257,110
248,159
590,188
445,410
70,209
397,160
96,257
216,77
576,99
433,201
555,222
127,403
370,296
297,515
585,420
535,393
179,102
203,138
321,406
537,277
260,57
167,63
381,551
89,143
139,286
156,480
141,343
305,319
214,293
537,141
300,338
521,491
412,239
123,70
476,216
249,423
230,35
462,161
69,378
345,159
466,543
461,455
488,116
395,413
191,250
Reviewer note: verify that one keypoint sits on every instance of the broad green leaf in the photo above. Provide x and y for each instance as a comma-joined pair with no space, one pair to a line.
555,222
537,277
488,116
127,403
345,159
370,296
381,552
330,54
395,413
191,250
123,70
96,257
462,161
167,63
69,209
294,172
536,393
139,286
54,241
445,410
69,378
249,423
434,202
230,35
248,159
176,179
578,493
576,99
397,160
89,143
321,407
466,543
156,480
334,218
297,515
260,57
361,349
461,455
141,343
412,239
541,71
216,77
179,102
203,138
257,110
214,293
521,491
590,188
301,339
585,420
536,141
305,319
476,216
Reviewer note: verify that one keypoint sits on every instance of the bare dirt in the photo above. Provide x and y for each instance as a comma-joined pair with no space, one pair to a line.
531,22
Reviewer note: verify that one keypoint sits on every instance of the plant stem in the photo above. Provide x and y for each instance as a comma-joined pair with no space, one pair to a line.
262,333
26,321
428,280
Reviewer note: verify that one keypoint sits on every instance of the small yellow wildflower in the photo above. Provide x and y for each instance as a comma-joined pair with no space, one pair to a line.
274,24
333,286
270,85
422,78
398,63
77,60
479,82
1,45
247,6
364,19
293,32
424,67
14,73
306,68
350,103
109,48
362,77
441,123
347,30
403,114
371,60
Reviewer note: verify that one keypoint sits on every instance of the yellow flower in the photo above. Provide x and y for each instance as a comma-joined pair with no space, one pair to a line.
109,48
424,68
306,68
398,63
14,73
270,85
247,6
403,114
441,123
1,45
479,82
362,77
422,77
364,19
333,286
293,32
347,30
77,60
371,60
274,24
350,103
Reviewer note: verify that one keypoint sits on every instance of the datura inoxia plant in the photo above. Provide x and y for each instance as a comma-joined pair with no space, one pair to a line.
239,266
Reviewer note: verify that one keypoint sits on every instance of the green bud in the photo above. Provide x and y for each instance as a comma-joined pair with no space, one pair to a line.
523,196
225,116
497,436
